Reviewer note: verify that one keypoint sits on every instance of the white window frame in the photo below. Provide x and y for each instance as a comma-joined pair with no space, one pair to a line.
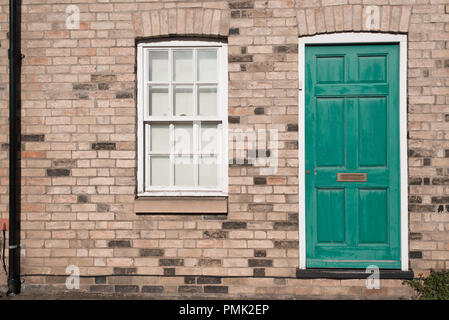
353,38
222,92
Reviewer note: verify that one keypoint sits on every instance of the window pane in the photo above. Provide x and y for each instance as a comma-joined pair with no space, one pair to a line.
184,138
160,171
207,101
182,66
158,99
208,173
183,101
160,138
184,171
158,65
209,138
207,65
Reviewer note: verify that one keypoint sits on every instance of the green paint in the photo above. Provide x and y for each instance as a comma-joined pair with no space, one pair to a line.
352,125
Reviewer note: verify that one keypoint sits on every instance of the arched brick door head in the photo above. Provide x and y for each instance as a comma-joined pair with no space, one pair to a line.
328,19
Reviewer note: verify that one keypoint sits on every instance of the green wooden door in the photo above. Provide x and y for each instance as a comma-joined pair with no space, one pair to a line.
352,135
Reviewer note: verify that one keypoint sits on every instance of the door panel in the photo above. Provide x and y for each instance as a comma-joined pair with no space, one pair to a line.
352,156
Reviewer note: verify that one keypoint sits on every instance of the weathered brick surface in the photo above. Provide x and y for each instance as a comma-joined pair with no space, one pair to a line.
79,144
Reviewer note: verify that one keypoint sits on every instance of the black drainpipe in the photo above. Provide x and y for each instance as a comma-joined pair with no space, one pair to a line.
15,58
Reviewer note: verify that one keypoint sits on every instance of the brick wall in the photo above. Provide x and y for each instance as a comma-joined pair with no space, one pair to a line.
79,145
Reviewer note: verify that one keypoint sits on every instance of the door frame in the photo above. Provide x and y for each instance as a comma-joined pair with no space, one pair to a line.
355,38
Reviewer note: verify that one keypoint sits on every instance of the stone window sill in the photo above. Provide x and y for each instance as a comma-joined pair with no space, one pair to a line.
190,205
351,274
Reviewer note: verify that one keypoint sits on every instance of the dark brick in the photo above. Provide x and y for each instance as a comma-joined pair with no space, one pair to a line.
215,289
260,263
124,95
440,181
83,86
215,217
415,199
32,137
421,208
100,280
420,153
241,58
292,127
260,253
259,110
260,207
243,67
64,163
235,14
285,244
446,153
446,117
440,199
171,262
415,236
260,180
234,225
151,252
440,208
189,289
58,172
414,181
248,4
291,48
233,31
293,217
101,288
426,181
169,271
415,254
82,198
103,86
243,50
208,280
234,119
126,288
189,280
102,77
103,146
215,234
259,272
153,289
102,207
118,270
119,244
285,225
207,262
426,162
5,146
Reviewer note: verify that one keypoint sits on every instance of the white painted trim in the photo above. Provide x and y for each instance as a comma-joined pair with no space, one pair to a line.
351,38
222,91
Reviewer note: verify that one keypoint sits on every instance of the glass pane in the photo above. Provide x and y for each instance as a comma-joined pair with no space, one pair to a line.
158,65
207,101
207,65
183,101
158,99
182,66
209,138
184,171
160,171
208,173
160,138
183,139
